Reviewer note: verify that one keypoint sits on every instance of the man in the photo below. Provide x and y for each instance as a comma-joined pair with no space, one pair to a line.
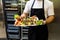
43,9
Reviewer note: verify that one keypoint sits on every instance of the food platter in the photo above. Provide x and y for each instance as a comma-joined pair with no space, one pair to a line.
25,25
31,21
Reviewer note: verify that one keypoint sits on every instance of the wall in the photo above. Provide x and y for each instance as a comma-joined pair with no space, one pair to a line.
55,26
56,3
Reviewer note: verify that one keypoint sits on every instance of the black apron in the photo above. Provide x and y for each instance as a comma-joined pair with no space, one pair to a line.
38,32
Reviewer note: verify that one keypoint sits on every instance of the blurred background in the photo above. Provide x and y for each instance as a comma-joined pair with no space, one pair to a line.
54,28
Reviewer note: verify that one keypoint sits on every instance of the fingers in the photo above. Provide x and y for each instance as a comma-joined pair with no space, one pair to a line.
35,17
23,16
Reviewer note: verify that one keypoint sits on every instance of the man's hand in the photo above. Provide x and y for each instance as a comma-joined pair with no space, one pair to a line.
24,15
35,17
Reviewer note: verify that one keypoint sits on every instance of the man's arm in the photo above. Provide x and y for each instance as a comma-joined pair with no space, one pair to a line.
26,10
49,19
50,14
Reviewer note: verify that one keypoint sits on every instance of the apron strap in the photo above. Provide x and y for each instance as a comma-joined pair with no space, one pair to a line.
32,4
31,8
43,3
